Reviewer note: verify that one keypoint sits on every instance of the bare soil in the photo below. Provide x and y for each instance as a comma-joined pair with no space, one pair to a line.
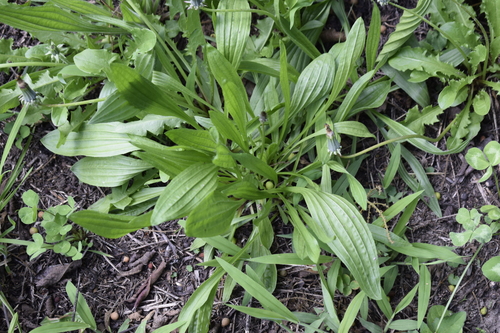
109,284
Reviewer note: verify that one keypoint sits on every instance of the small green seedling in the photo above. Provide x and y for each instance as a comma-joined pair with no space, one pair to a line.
58,233
471,221
486,159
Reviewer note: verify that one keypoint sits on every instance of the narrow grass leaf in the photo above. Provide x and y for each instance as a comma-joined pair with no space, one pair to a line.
424,293
108,171
185,192
83,7
352,96
406,300
110,225
351,312
266,299
393,166
289,259
373,39
404,325
60,327
417,91
259,313
82,308
227,128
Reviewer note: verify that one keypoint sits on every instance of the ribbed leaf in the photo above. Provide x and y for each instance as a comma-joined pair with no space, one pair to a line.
315,82
212,216
49,18
232,30
346,233
185,192
82,7
196,139
407,24
108,171
110,225
143,94
226,127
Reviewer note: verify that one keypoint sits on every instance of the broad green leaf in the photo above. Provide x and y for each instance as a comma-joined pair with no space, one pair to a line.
243,189
185,192
82,7
232,29
94,61
346,233
223,157
481,103
143,94
411,58
195,139
353,128
170,160
266,299
492,151
371,97
89,143
476,159
108,171
110,225
492,11
256,165
212,216
416,120
50,18
491,269
315,82
455,93
270,67
404,30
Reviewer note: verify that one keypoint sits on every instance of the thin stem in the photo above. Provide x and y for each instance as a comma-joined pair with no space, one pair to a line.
89,101
457,285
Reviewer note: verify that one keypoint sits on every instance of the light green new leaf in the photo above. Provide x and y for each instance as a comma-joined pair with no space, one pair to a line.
491,269
143,94
346,233
492,151
315,82
110,225
108,171
232,30
266,299
49,18
481,103
256,165
185,192
404,30
94,61
212,216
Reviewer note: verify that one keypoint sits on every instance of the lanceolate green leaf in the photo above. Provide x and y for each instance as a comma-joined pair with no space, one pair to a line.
404,30
110,225
347,234
185,192
108,171
49,18
195,139
212,216
266,299
424,293
144,95
232,30
227,129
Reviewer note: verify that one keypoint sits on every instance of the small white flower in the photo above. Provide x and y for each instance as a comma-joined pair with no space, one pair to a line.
28,95
195,4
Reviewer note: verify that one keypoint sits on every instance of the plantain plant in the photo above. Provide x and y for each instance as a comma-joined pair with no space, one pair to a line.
175,134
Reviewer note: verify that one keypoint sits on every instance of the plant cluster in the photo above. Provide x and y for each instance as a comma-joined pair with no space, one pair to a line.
175,135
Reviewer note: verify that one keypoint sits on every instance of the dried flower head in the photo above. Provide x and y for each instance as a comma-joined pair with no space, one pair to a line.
28,95
263,117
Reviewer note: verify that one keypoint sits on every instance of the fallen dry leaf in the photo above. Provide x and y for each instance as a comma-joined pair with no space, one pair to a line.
52,274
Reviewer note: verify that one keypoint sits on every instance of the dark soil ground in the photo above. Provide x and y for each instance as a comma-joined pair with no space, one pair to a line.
108,284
